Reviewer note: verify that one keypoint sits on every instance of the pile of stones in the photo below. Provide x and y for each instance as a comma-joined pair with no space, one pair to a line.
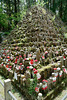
35,49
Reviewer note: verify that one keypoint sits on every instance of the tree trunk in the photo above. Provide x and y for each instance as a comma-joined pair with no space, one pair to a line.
9,13
28,3
60,9
15,10
50,4
53,5
18,2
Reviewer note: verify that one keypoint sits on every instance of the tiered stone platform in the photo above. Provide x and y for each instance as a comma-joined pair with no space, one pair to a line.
34,55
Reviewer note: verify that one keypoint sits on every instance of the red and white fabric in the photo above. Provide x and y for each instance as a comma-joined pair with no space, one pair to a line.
56,74
54,79
60,74
38,76
65,70
37,89
44,87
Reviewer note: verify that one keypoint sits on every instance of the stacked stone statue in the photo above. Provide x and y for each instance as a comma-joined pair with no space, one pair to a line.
36,48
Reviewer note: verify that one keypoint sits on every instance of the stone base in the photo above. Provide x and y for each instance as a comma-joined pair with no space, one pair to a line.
49,96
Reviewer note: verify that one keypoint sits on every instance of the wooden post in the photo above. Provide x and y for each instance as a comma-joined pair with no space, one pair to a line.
61,59
7,87
66,62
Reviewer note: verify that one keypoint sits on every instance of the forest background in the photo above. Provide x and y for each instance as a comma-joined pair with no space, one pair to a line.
12,11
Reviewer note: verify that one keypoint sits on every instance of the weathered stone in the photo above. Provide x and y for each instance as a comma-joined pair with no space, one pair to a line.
11,74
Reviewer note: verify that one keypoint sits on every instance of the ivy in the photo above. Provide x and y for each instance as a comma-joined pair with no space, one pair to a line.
41,3
33,84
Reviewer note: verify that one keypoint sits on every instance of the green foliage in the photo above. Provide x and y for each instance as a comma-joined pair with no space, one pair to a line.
11,12
17,26
3,19
13,90
33,84
0,38
41,3
23,12
65,35
6,33
53,18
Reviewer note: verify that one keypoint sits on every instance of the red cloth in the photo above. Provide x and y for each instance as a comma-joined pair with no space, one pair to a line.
20,63
64,70
46,52
34,69
19,67
6,66
30,55
28,67
9,69
8,57
35,72
57,76
16,61
43,57
36,89
39,78
10,66
36,60
16,57
2,64
54,81
64,57
44,80
55,68
25,58
20,56
60,76
31,62
44,88
24,55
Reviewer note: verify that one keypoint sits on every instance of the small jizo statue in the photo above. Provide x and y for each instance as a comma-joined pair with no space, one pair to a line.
24,82
39,96
60,75
56,72
64,71
38,76
28,74
15,75
44,86
37,89
46,54
64,60
54,79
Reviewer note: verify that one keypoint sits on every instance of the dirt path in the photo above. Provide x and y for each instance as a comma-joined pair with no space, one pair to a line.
1,90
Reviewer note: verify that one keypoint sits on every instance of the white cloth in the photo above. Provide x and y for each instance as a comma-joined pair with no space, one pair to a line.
38,76
15,75
44,85
54,78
